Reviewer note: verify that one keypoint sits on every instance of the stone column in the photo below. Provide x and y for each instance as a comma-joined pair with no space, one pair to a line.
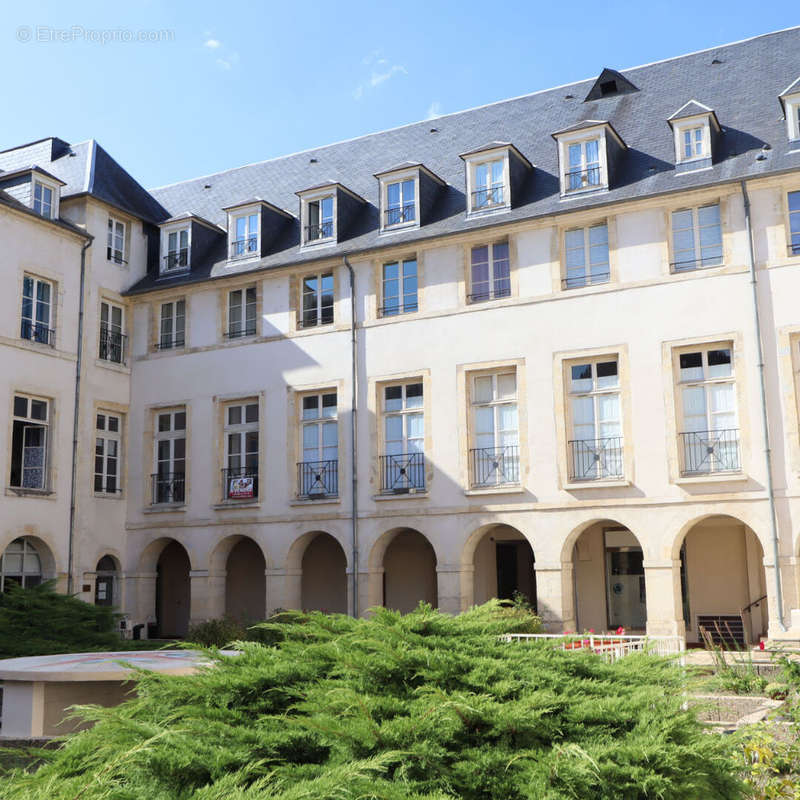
200,599
283,589
555,595
467,587
448,588
140,596
370,589
216,593
775,615
664,604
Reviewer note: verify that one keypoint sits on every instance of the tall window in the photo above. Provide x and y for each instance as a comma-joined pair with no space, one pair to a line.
586,256
112,340
399,287
693,143
115,243
318,472
317,300
709,436
595,446
242,312
36,310
696,238
490,272
240,476
245,241
400,202
169,481
320,219
489,185
173,325
403,462
43,199
177,256
20,564
584,165
495,426
794,222
29,443
107,454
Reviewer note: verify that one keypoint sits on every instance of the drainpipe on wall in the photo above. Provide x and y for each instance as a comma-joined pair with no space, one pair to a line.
764,418
75,421
353,448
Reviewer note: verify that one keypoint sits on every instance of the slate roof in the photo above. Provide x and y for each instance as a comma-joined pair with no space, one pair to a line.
8,200
691,109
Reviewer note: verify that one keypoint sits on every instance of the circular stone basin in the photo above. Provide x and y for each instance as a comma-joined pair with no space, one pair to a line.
38,690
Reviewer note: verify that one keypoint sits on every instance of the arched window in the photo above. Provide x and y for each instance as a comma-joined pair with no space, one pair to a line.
20,564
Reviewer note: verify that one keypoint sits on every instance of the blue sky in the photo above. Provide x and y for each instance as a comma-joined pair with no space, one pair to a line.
218,85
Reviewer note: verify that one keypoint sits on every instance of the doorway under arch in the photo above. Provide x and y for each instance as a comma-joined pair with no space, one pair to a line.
246,582
504,566
323,585
172,591
409,571
106,582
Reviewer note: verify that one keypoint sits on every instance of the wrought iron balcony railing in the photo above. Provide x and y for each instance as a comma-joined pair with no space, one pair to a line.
402,473
794,248
169,342
400,214
318,479
582,179
690,264
710,451
176,259
482,295
244,247
487,198
392,309
596,459
115,256
587,279
494,466
37,332
237,331
322,231
168,487
240,483
113,346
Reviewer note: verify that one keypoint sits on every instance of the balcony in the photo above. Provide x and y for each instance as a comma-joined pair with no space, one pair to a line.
596,459
484,295
393,307
400,215
710,452
240,483
587,279
322,231
794,247
239,330
168,487
169,343
577,179
403,473
176,259
317,480
494,466
244,247
37,332
487,198
113,346
691,264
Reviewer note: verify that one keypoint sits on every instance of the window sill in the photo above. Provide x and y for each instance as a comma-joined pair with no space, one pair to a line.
713,477
399,228
567,195
109,495
475,213
113,366
597,484
325,500
508,488
173,273
38,347
18,491
422,494
164,508
318,243
226,504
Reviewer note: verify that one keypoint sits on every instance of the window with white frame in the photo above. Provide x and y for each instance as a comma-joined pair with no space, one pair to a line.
693,143
692,139
595,415
586,256
20,564
792,106
709,423
403,459
696,238
242,312
794,223
318,470
240,475
177,250
43,199
319,225
488,184
494,457
172,331
399,287
30,443
115,241
169,480
37,312
490,272
112,340
245,232
317,300
107,457
401,203
583,169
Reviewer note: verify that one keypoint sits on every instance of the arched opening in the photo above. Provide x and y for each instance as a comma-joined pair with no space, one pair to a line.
21,563
324,578
723,582
503,562
106,582
609,582
409,572
246,582
172,591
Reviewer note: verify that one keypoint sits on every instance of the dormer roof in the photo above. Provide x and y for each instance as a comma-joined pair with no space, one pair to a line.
407,165
609,84
694,108
187,216
792,88
496,145
257,201
31,168
588,124
332,185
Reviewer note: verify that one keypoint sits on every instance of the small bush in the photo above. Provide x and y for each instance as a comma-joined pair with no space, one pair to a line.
217,632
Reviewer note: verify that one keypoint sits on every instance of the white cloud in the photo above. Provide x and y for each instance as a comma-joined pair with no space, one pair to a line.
381,72
212,44
377,78
225,59
434,109
223,64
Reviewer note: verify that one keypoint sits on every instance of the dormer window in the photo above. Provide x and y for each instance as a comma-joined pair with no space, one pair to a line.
177,250
584,165
245,230
401,203
695,127
408,193
693,147
488,185
319,214
44,199
115,241
495,172
327,211
587,153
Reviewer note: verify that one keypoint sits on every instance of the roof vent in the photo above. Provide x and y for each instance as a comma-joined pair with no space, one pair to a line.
569,96
610,83
207,186
434,130
715,61
312,160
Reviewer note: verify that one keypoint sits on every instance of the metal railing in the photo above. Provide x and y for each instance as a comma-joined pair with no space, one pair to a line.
176,259
489,294
37,332
322,231
169,344
318,479
610,647
402,473
392,310
240,483
244,247
588,279
582,178
710,451
494,466
113,346
595,459
487,198
168,487
689,264
237,331
400,214
794,249
115,256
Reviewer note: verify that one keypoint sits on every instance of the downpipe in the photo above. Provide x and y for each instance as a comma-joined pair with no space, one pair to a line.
353,429
764,418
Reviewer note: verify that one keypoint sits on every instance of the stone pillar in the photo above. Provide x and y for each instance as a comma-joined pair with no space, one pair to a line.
283,589
448,588
467,587
775,614
200,600
664,604
216,596
555,595
349,578
140,596
370,589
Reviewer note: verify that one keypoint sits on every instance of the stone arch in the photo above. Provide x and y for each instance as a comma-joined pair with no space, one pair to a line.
171,562
50,562
237,570
742,519
27,560
151,552
402,568
578,530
